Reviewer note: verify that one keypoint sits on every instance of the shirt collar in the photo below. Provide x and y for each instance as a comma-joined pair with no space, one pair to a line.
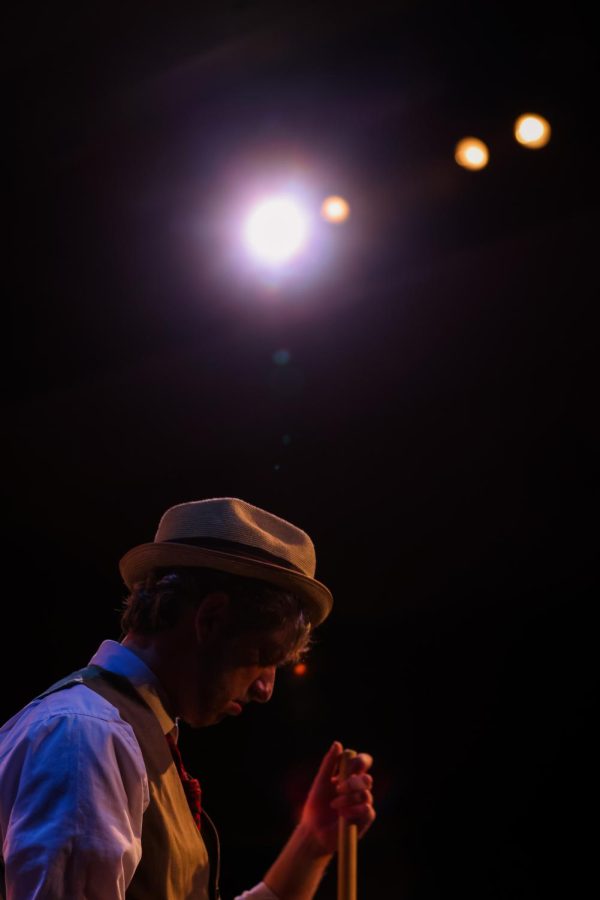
119,659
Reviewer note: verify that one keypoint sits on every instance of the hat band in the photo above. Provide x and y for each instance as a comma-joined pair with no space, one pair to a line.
238,550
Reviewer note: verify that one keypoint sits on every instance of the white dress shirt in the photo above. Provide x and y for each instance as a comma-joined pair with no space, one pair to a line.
73,790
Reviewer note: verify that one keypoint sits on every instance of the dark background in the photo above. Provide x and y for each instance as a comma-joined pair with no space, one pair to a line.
432,429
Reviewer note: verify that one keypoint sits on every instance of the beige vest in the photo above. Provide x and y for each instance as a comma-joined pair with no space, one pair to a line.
174,863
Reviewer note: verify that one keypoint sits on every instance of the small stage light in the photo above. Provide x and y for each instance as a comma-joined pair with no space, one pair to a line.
300,669
471,153
335,209
532,131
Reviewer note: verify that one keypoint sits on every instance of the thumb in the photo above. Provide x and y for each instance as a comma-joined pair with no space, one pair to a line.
328,767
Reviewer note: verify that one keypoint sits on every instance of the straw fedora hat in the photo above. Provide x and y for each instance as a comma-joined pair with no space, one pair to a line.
230,535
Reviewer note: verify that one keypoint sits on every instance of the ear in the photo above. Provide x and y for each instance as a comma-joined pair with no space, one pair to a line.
211,616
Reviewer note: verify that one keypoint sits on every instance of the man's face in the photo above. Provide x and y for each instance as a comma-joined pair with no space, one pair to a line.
235,671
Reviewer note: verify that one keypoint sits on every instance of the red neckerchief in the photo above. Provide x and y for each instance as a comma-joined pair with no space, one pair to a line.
191,785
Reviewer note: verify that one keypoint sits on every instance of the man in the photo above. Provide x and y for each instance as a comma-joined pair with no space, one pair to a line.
94,800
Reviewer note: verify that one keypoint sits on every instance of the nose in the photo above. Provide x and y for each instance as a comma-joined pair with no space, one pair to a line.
261,688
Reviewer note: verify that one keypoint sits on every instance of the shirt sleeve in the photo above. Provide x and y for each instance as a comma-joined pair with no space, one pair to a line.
74,790
260,892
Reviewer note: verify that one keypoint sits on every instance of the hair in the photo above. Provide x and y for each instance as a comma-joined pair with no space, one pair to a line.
155,604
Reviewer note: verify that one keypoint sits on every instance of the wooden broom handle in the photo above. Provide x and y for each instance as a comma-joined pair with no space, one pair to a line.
347,840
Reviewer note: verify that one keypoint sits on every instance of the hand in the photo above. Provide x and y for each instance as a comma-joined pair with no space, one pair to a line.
331,797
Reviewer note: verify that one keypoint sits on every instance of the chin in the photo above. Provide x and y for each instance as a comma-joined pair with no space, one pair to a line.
204,720
194,720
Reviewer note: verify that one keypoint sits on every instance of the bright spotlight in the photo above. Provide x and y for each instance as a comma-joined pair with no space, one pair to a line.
276,230
532,131
471,153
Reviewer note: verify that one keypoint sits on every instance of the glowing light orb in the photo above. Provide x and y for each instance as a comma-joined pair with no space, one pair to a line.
300,669
335,209
471,153
532,131
276,230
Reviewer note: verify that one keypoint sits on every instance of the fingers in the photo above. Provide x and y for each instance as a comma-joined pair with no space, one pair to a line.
355,783
354,801
362,762
353,791
358,764
357,809
356,777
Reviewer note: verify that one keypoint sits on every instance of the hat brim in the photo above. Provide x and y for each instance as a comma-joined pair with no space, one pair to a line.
138,562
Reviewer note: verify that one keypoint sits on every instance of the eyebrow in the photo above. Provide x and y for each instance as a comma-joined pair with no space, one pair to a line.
274,653
278,653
